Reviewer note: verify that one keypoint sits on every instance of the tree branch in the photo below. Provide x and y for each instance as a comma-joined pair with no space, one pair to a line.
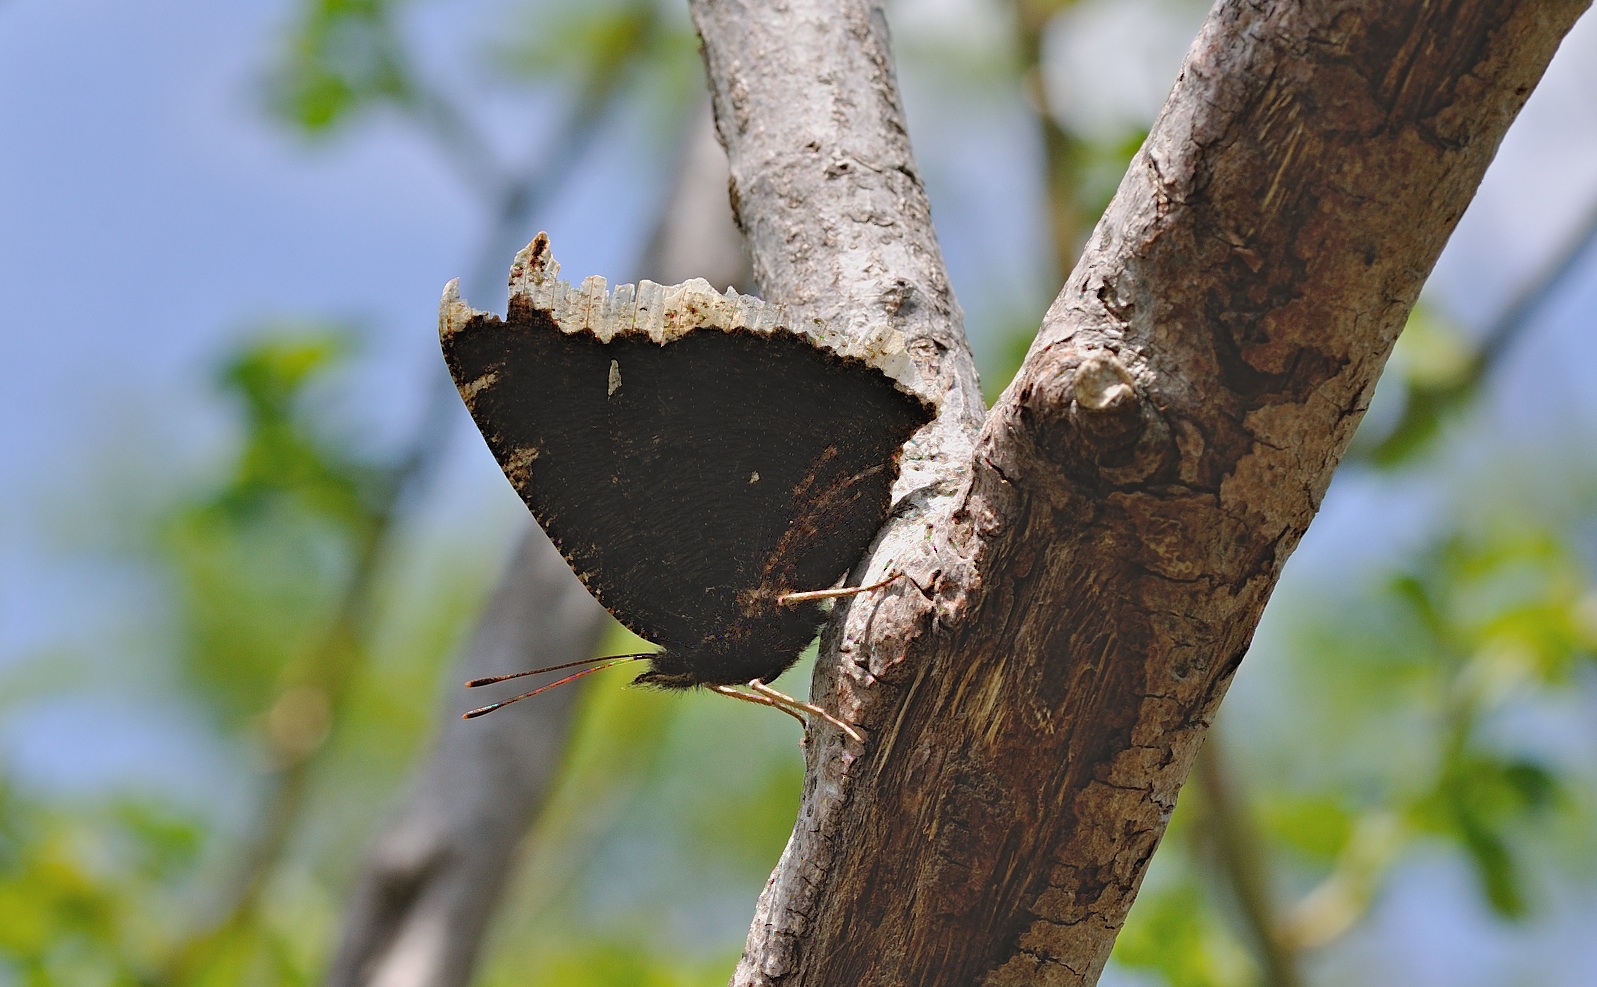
434,877
1242,857
1076,608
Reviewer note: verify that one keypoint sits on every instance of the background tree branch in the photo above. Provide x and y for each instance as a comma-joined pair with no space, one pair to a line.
434,878
1035,697
1427,405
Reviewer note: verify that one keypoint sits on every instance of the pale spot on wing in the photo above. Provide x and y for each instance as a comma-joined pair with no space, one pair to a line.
473,388
615,378
519,464
754,477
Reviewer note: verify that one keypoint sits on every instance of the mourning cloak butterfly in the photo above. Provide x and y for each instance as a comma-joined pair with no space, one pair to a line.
693,457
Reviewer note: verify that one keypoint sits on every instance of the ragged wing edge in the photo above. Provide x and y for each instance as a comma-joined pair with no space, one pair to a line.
667,312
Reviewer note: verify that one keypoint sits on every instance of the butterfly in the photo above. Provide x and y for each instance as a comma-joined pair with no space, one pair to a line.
706,469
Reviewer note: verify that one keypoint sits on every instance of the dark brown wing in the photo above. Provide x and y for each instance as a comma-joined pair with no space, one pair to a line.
678,478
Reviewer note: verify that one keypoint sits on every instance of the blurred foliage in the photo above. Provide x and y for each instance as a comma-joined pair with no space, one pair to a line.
597,41
1440,369
656,842
97,890
1433,375
1178,935
81,887
598,49
1503,613
259,561
310,618
340,56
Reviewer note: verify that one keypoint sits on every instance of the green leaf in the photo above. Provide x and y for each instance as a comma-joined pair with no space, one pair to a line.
1495,868
1480,802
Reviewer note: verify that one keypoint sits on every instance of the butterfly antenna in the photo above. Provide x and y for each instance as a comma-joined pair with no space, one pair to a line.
490,680
483,710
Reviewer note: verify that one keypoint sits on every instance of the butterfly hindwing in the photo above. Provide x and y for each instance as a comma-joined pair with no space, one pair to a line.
684,480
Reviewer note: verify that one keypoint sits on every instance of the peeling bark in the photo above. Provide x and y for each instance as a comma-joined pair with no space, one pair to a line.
1085,578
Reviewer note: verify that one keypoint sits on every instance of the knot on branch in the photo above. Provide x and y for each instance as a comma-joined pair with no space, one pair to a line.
1093,418
1106,399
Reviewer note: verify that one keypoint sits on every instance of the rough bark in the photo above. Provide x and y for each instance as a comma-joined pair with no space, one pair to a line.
1084,583
434,877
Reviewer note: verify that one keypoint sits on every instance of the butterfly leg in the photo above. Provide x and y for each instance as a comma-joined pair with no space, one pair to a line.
788,599
787,702
727,690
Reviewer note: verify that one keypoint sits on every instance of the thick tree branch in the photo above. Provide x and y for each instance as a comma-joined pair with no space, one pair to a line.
1075,611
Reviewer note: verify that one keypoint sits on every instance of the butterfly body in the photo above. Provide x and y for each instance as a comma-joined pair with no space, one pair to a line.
690,477
761,646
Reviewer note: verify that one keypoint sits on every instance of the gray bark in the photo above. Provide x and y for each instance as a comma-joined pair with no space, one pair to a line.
1085,577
